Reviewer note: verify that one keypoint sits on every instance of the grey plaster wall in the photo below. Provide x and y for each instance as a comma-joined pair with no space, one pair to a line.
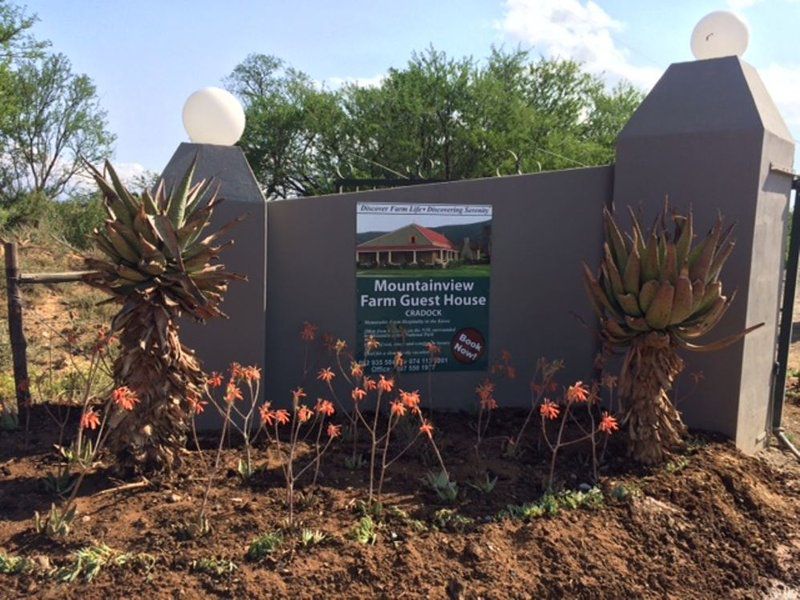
241,336
705,136
543,226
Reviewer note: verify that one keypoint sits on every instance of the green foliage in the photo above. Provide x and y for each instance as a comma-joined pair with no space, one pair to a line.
440,483
625,492
54,523
354,463
487,485
676,465
264,545
311,537
446,519
71,219
366,531
59,482
88,561
551,504
13,565
438,117
214,567
59,122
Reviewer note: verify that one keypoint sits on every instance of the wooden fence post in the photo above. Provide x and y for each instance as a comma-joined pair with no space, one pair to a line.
19,345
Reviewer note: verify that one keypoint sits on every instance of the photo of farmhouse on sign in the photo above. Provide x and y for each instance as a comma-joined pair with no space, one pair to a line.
423,283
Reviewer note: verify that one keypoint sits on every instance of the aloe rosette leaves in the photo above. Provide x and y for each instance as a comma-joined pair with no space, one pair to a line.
156,261
656,293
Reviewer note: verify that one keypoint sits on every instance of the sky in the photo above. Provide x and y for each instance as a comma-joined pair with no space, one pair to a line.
146,57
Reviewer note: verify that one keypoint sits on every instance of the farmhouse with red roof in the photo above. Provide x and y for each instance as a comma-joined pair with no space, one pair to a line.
410,245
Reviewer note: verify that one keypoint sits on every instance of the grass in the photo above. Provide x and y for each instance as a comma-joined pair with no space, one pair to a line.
52,314
459,271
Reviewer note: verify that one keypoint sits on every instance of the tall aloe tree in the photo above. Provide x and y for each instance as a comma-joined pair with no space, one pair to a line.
157,264
657,293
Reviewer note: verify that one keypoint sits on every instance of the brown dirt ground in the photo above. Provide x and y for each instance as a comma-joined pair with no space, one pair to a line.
715,524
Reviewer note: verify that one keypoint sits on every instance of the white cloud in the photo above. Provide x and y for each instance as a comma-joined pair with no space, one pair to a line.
577,30
783,84
337,82
132,172
745,4
132,175
742,4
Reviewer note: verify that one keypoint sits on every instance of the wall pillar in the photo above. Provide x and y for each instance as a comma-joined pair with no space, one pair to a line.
706,136
241,337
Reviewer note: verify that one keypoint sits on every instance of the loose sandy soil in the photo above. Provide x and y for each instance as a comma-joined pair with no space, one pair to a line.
713,524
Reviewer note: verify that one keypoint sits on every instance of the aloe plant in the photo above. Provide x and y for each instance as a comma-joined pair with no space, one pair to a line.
158,265
656,293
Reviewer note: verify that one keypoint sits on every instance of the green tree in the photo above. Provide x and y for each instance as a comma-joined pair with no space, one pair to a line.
292,130
438,117
58,123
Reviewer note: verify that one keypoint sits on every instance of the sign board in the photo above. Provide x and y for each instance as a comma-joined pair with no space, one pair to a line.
422,275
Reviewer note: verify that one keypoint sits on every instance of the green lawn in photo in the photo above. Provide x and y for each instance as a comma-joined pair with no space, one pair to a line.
482,270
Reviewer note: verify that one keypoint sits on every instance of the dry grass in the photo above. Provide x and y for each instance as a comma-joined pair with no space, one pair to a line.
59,320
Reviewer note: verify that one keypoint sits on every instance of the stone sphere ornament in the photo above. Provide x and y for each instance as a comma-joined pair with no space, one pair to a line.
213,116
720,33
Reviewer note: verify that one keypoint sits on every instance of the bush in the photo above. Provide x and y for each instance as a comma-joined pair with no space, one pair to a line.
72,219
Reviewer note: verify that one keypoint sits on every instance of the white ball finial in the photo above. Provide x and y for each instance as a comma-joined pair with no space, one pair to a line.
213,116
720,33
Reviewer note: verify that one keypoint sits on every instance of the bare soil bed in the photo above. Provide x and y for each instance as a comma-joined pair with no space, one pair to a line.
711,524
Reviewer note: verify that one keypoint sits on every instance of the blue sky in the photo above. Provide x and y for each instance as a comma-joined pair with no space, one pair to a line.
146,57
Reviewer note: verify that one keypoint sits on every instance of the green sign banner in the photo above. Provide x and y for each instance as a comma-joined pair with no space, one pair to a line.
423,278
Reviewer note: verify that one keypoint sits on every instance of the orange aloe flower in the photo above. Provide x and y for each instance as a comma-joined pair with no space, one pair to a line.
372,344
196,405
326,375
426,428
282,416
90,419
549,410
370,384
399,361
433,349
488,403
304,414
252,373
577,392
267,416
325,407
236,371
485,390
356,369
233,393
309,332
398,409
298,395
410,400
125,398
385,385
214,380
334,431
608,423
359,394
340,346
